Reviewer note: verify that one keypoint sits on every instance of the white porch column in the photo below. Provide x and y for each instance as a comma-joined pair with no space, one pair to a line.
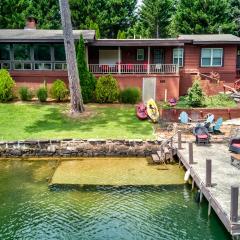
149,56
86,55
119,60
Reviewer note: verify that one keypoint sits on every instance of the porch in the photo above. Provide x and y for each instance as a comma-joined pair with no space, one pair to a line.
164,60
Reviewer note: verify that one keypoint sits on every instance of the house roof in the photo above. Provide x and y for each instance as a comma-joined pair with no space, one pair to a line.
139,42
211,38
21,35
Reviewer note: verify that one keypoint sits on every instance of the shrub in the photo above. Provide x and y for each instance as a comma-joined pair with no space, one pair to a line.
195,94
42,94
107,89
25,94
130,95
59,90
6,86
220,100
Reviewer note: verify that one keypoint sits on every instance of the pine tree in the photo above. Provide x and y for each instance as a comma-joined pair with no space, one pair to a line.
87,80
202,16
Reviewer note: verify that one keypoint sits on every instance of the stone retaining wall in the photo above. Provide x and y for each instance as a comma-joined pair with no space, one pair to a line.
78,148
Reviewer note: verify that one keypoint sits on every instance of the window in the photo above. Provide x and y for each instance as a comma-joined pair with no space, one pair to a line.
59,53
140,54
211,57
42,52
4,52
178,56
21,52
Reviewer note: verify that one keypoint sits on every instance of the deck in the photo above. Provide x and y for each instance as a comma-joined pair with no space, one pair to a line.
224,175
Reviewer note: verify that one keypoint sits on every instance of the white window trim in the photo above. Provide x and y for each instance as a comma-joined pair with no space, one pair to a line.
179,57
211,58
141,54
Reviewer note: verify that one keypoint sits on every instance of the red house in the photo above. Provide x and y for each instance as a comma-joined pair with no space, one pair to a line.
160,67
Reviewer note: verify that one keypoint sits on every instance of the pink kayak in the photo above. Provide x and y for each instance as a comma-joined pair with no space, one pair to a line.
141,111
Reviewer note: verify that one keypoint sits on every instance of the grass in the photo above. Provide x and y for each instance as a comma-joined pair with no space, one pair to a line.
38,121
216,101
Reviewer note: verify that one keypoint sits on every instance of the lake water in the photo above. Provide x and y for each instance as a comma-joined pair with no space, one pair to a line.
30,210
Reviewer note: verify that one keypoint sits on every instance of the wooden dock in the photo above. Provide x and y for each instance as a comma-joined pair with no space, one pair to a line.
220,188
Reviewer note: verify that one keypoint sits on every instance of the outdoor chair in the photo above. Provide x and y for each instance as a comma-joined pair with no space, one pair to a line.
201,134
184,118
216,127
234,145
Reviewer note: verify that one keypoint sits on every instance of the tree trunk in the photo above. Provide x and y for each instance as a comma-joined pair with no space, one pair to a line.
73,76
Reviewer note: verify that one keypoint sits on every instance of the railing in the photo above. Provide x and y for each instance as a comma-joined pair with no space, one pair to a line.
33,65
134,68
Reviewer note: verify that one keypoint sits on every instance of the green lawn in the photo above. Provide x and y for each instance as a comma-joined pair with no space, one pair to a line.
35,121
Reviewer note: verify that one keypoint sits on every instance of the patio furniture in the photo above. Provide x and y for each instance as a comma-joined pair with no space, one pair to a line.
184,118
202,135
235,160
216,127
234,145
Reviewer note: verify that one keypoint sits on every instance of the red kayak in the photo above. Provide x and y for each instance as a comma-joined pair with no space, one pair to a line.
141,111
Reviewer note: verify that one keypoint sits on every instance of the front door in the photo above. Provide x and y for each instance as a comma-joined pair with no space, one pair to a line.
158,56
238,58
149,89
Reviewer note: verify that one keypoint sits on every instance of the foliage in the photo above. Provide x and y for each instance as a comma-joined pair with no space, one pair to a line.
201,17
121,35
155,17
111,16
42,94
130,95
87,80
235,9
107,89
220,100
195,94
59,90
49,121
94,26
6,86
25,94
46,11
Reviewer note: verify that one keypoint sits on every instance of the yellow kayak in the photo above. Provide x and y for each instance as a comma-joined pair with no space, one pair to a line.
152,110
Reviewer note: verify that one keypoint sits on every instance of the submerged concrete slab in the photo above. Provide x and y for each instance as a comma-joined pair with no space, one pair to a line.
116,171
224,175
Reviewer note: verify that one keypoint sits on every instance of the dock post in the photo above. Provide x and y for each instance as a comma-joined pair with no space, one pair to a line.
190,148
208,172
234,203
209,207
179,139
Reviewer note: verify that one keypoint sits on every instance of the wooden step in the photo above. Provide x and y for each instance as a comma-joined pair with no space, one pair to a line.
155,158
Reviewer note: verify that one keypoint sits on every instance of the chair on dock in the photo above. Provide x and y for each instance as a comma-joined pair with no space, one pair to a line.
201,134
234,145
216,127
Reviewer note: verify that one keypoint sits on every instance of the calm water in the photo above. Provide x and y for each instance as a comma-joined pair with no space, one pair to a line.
29,210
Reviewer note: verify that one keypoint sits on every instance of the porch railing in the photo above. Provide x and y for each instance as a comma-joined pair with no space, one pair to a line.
134,68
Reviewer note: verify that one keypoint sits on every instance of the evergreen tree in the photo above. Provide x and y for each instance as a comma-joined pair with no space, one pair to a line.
235,10
202,16
94,26
87,80
121,35
155,17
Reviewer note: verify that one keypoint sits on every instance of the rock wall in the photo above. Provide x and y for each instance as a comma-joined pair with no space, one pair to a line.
78,148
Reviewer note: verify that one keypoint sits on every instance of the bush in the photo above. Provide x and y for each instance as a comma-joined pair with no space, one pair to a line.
6,86
130,95
42,94
107,89
25,94
220,100
59,90
195,95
